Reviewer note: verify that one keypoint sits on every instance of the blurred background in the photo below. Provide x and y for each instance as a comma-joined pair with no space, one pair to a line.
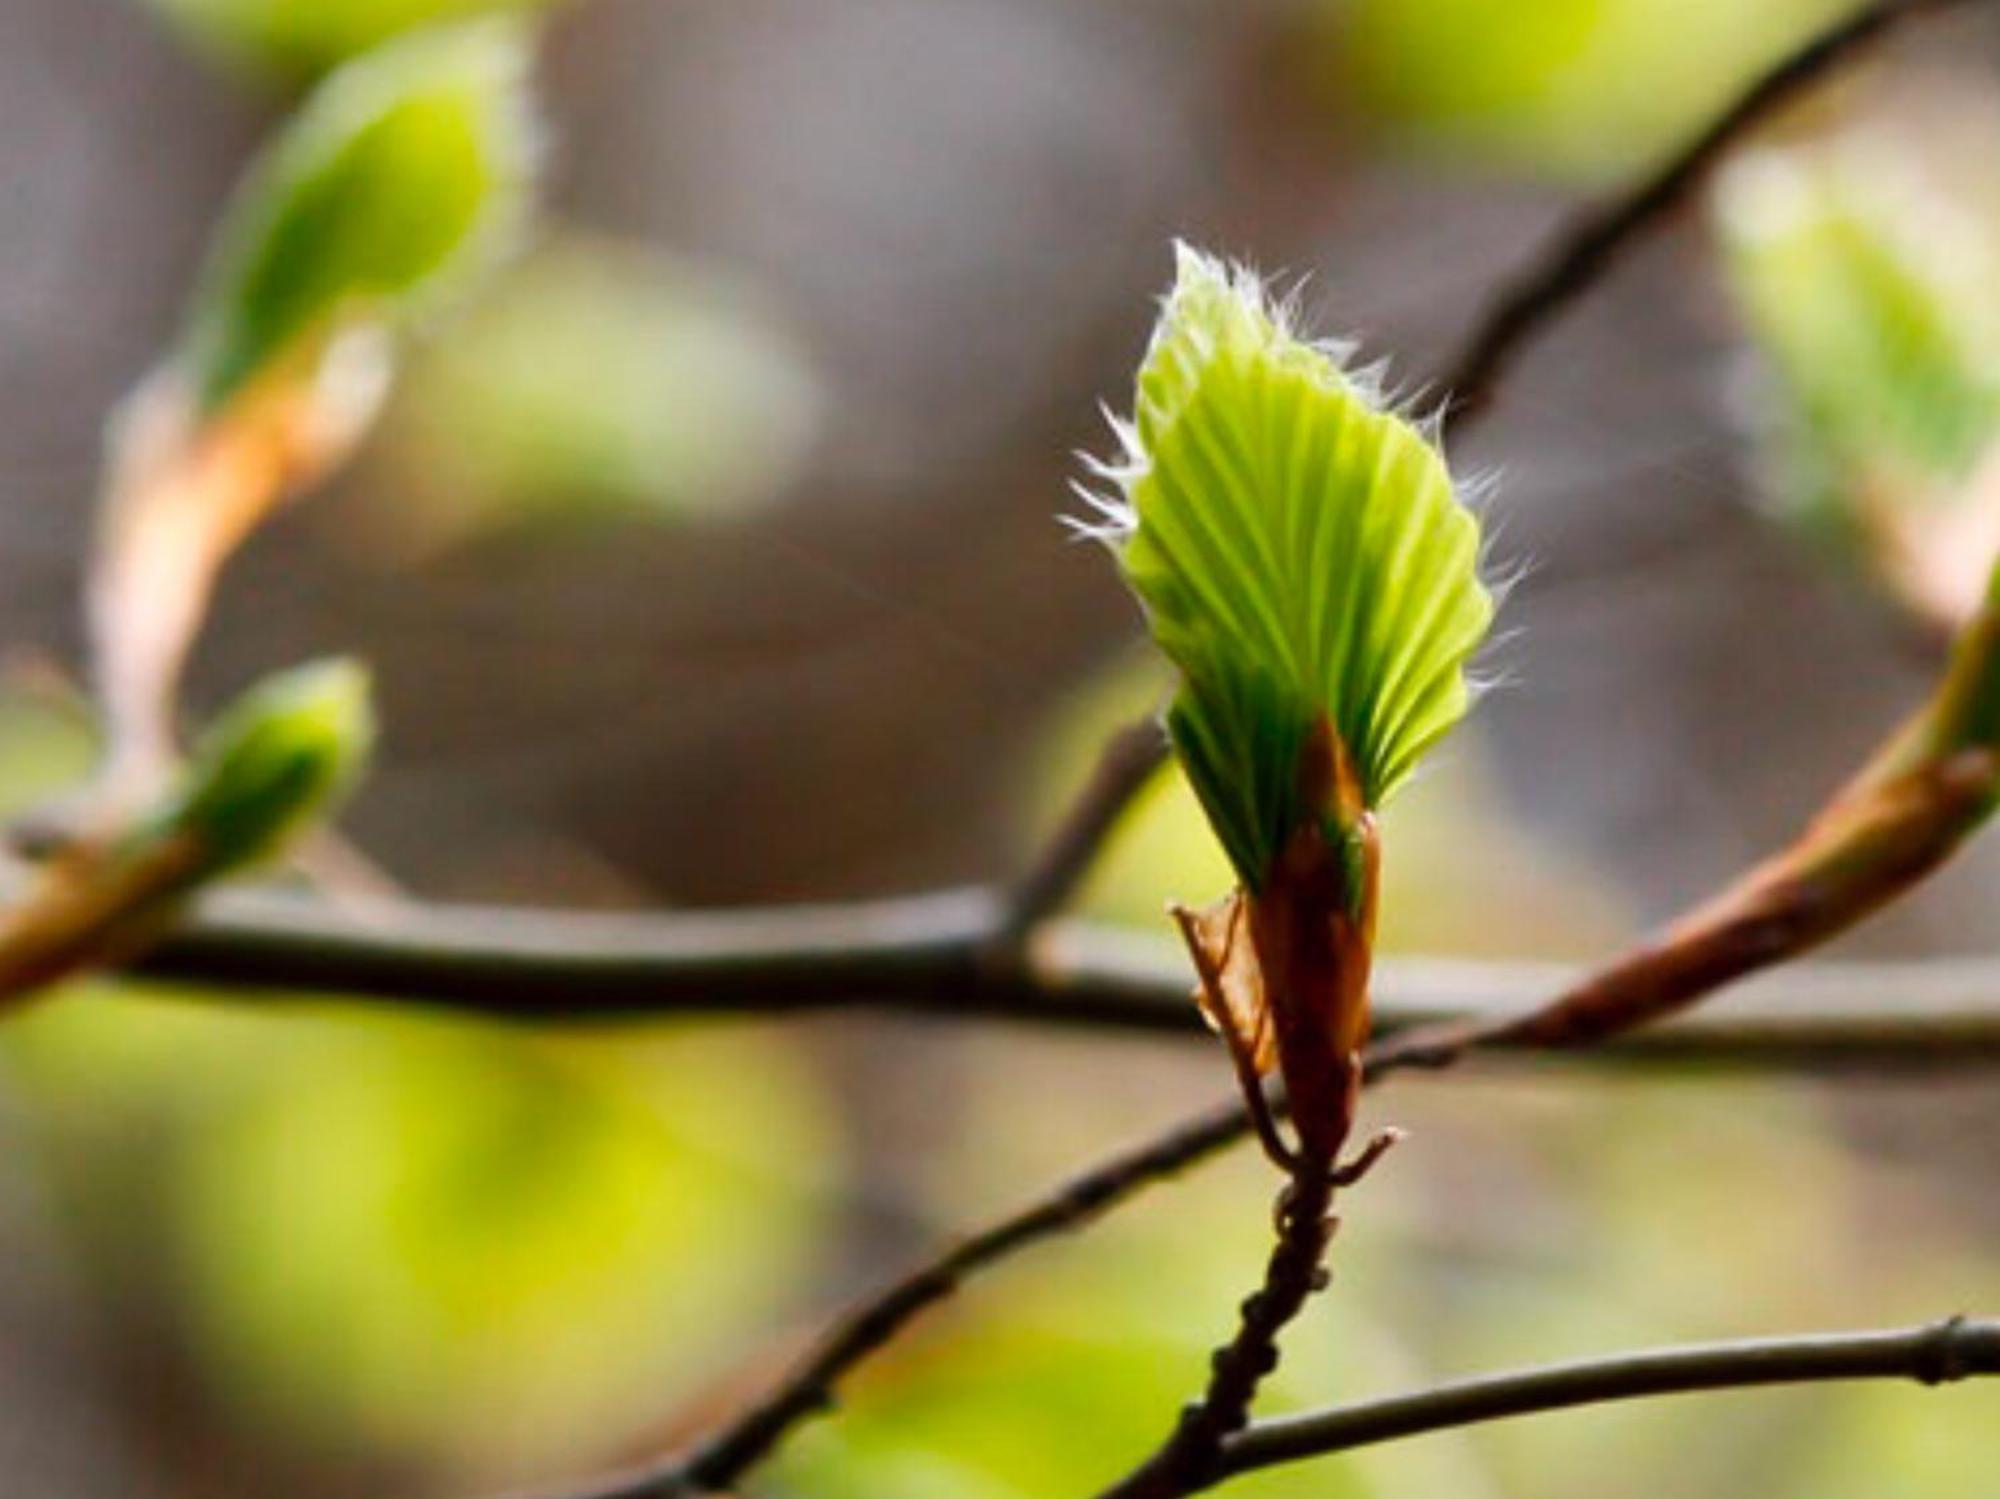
709,555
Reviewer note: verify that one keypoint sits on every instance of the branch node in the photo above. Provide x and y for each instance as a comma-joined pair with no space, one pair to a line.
1942,1357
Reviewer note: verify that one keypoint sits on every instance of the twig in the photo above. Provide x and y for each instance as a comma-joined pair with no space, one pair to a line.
923,955
1576,259
809,1388
871,1324
1931,784
1129,760
1187,1460
1942,1352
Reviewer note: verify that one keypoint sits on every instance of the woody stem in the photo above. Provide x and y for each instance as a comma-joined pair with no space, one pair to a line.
1189,1459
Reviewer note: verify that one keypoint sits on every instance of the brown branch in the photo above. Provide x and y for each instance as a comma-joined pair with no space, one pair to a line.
1954,1349
1187,1460
1576,259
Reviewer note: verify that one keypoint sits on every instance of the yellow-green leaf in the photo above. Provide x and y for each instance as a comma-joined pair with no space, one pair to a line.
1302,556
276,760
404,172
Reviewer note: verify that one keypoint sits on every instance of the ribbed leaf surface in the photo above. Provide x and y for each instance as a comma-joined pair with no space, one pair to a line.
1301,554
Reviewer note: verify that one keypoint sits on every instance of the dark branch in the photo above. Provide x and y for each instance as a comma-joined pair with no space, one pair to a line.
871,1324
1879,836
1954,1349
1187,1461
809,1388
1576,259
932,956
1129,760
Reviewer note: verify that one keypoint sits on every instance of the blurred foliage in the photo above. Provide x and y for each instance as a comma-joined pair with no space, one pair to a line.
594,379
1461,874
443,1241
402,174
473,1245
1865,262
1586,88
276,759
300,38
505,1253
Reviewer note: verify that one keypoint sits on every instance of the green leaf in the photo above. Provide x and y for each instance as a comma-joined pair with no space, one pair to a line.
404,173
1871,300
1302,558
278,758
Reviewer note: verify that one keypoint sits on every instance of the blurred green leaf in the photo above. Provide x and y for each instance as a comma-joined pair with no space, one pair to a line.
1868,287
595,379
462,1243
276,760
403,173
301,38
1873,302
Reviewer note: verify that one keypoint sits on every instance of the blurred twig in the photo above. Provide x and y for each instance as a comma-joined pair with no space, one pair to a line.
1931,785
1940,1353
1126,764
1576,258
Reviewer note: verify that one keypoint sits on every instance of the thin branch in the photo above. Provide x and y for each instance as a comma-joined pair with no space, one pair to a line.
1930,785
1187,1459
1129,760
809,1388
929,955
1576,259
1940,1353
870,1325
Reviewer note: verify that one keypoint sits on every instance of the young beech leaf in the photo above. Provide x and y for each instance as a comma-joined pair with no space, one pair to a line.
273,763
405,171
1302,558
280,756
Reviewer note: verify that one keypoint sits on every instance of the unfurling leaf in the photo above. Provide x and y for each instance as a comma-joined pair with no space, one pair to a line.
1307,566
1302,558
398,180
275,762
